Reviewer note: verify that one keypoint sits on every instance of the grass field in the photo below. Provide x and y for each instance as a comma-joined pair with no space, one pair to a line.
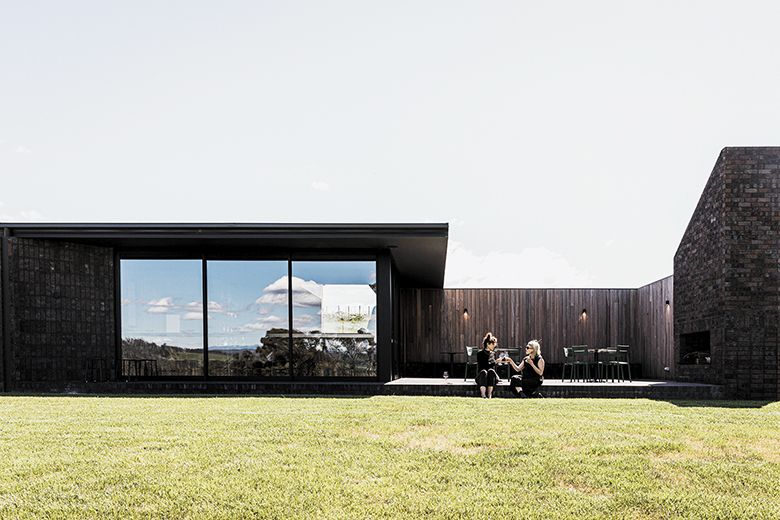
386,457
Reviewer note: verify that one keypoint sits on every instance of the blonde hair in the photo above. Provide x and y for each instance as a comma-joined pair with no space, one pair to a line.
488,339
534,343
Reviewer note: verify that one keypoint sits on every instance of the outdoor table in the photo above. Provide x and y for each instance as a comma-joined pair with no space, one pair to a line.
452,358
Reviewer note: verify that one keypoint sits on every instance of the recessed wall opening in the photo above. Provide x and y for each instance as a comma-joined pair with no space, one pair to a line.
695,348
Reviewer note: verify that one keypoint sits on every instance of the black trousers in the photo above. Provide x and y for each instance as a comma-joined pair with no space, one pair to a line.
487,378
528,387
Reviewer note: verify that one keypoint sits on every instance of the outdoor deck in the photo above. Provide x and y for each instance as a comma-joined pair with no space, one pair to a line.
558,388
404,386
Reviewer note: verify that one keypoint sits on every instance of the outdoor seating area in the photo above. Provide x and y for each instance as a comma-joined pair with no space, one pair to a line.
580,363
597,364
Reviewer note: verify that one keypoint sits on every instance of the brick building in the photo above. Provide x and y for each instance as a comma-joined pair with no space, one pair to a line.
727,278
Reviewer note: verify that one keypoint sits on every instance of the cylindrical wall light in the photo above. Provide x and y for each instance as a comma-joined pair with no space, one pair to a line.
584,314
465,314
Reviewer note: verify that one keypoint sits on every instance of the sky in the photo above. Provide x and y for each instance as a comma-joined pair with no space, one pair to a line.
566,143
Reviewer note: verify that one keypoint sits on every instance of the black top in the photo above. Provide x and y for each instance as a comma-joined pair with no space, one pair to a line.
486,359
530,373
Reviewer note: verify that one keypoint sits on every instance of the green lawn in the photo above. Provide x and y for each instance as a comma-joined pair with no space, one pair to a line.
386,457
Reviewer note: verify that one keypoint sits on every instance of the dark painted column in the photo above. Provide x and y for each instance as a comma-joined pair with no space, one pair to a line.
5,266
384,297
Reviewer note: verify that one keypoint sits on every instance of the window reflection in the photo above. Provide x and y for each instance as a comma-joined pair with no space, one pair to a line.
333,306
248,318
334,319
162,319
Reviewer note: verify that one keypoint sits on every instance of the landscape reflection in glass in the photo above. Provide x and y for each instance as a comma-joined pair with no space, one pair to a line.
334,318
162,318
248,318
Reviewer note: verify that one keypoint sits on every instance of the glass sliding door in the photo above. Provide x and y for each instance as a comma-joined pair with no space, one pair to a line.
162,318
248,318
334,318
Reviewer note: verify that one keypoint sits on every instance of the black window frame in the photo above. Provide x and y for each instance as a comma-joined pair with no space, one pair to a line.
204,256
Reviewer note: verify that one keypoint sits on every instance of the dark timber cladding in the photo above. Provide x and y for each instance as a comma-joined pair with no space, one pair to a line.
433,321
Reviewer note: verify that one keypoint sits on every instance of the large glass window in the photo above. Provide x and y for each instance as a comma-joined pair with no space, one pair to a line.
248,306
162,318
248,318
334,318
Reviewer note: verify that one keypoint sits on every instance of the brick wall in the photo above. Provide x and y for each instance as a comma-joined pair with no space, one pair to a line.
726,277
62,311
2,339
752,276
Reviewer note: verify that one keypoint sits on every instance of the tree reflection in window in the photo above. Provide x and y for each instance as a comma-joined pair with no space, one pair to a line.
334,318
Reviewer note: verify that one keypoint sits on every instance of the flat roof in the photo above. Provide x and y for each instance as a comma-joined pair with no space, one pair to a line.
418,250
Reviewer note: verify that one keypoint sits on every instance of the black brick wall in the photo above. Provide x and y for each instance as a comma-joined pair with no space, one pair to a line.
727,277
62,311
2,339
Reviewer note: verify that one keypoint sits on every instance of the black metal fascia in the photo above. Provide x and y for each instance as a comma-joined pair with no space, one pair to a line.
211,230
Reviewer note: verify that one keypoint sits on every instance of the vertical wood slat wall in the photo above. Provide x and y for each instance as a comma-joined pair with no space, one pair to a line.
432,321
654,322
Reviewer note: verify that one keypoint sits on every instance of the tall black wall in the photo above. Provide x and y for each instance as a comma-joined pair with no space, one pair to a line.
61,312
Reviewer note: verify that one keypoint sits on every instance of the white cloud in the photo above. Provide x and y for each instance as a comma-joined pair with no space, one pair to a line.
535,267
271,320
249,327
320,186
263,324
23,150
305,293
193,316
304,319
214,307
161,306
162,302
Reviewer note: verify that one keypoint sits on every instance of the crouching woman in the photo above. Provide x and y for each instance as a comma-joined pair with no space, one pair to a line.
487,376
531,370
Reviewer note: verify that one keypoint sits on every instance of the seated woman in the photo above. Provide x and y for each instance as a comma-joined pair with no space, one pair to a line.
487,377
531,369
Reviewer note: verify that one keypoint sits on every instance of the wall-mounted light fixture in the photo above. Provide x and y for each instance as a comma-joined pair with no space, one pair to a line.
667,304
465,314
584,314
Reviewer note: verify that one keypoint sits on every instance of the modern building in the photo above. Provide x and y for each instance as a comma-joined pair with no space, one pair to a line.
182,303
111,302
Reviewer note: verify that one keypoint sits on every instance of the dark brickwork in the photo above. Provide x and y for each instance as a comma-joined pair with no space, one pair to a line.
727,278
2,338
62,312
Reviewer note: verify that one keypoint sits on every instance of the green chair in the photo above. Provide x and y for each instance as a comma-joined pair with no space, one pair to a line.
568,361
471,359
576,358
620,363
607,358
